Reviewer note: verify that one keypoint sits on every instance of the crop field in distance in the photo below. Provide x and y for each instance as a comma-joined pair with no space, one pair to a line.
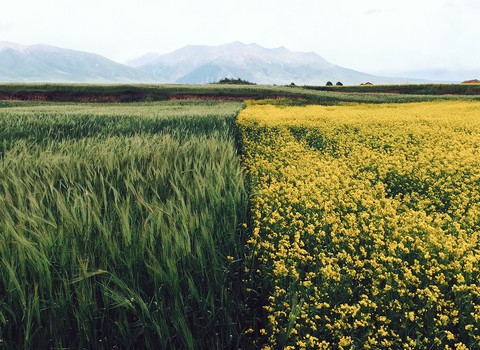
244,217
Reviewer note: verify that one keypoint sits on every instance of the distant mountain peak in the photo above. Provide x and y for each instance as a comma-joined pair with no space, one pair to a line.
251,62
237,42
4,45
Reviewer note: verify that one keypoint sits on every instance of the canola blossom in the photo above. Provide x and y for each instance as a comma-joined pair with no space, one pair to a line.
365,224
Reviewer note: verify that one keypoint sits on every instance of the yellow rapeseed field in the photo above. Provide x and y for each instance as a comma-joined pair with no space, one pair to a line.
366,223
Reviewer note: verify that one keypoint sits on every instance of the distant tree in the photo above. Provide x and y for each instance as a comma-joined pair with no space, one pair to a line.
339,83
233,81
329,83
292,84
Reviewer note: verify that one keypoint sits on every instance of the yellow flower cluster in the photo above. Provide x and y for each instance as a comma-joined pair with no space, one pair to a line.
366,224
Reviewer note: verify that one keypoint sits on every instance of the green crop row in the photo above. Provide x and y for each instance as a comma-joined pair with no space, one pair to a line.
119,226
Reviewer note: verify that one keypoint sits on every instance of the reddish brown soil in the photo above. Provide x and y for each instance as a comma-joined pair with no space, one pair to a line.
24,97
125,97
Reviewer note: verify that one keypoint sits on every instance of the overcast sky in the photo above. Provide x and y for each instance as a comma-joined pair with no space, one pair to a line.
374,36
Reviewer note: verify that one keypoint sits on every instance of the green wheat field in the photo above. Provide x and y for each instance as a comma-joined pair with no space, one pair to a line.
119,225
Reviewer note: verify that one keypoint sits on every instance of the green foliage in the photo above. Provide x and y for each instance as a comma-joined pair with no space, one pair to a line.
119,226
410,89
233,81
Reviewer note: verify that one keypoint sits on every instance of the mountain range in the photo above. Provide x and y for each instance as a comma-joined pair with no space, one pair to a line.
44,63
193,64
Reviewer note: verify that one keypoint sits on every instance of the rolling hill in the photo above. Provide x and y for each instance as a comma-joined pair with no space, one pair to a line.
44,63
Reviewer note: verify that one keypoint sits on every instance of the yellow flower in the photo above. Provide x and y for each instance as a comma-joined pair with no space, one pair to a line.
362,213
345,341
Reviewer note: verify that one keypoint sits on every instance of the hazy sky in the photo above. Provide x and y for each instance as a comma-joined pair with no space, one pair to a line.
375,36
